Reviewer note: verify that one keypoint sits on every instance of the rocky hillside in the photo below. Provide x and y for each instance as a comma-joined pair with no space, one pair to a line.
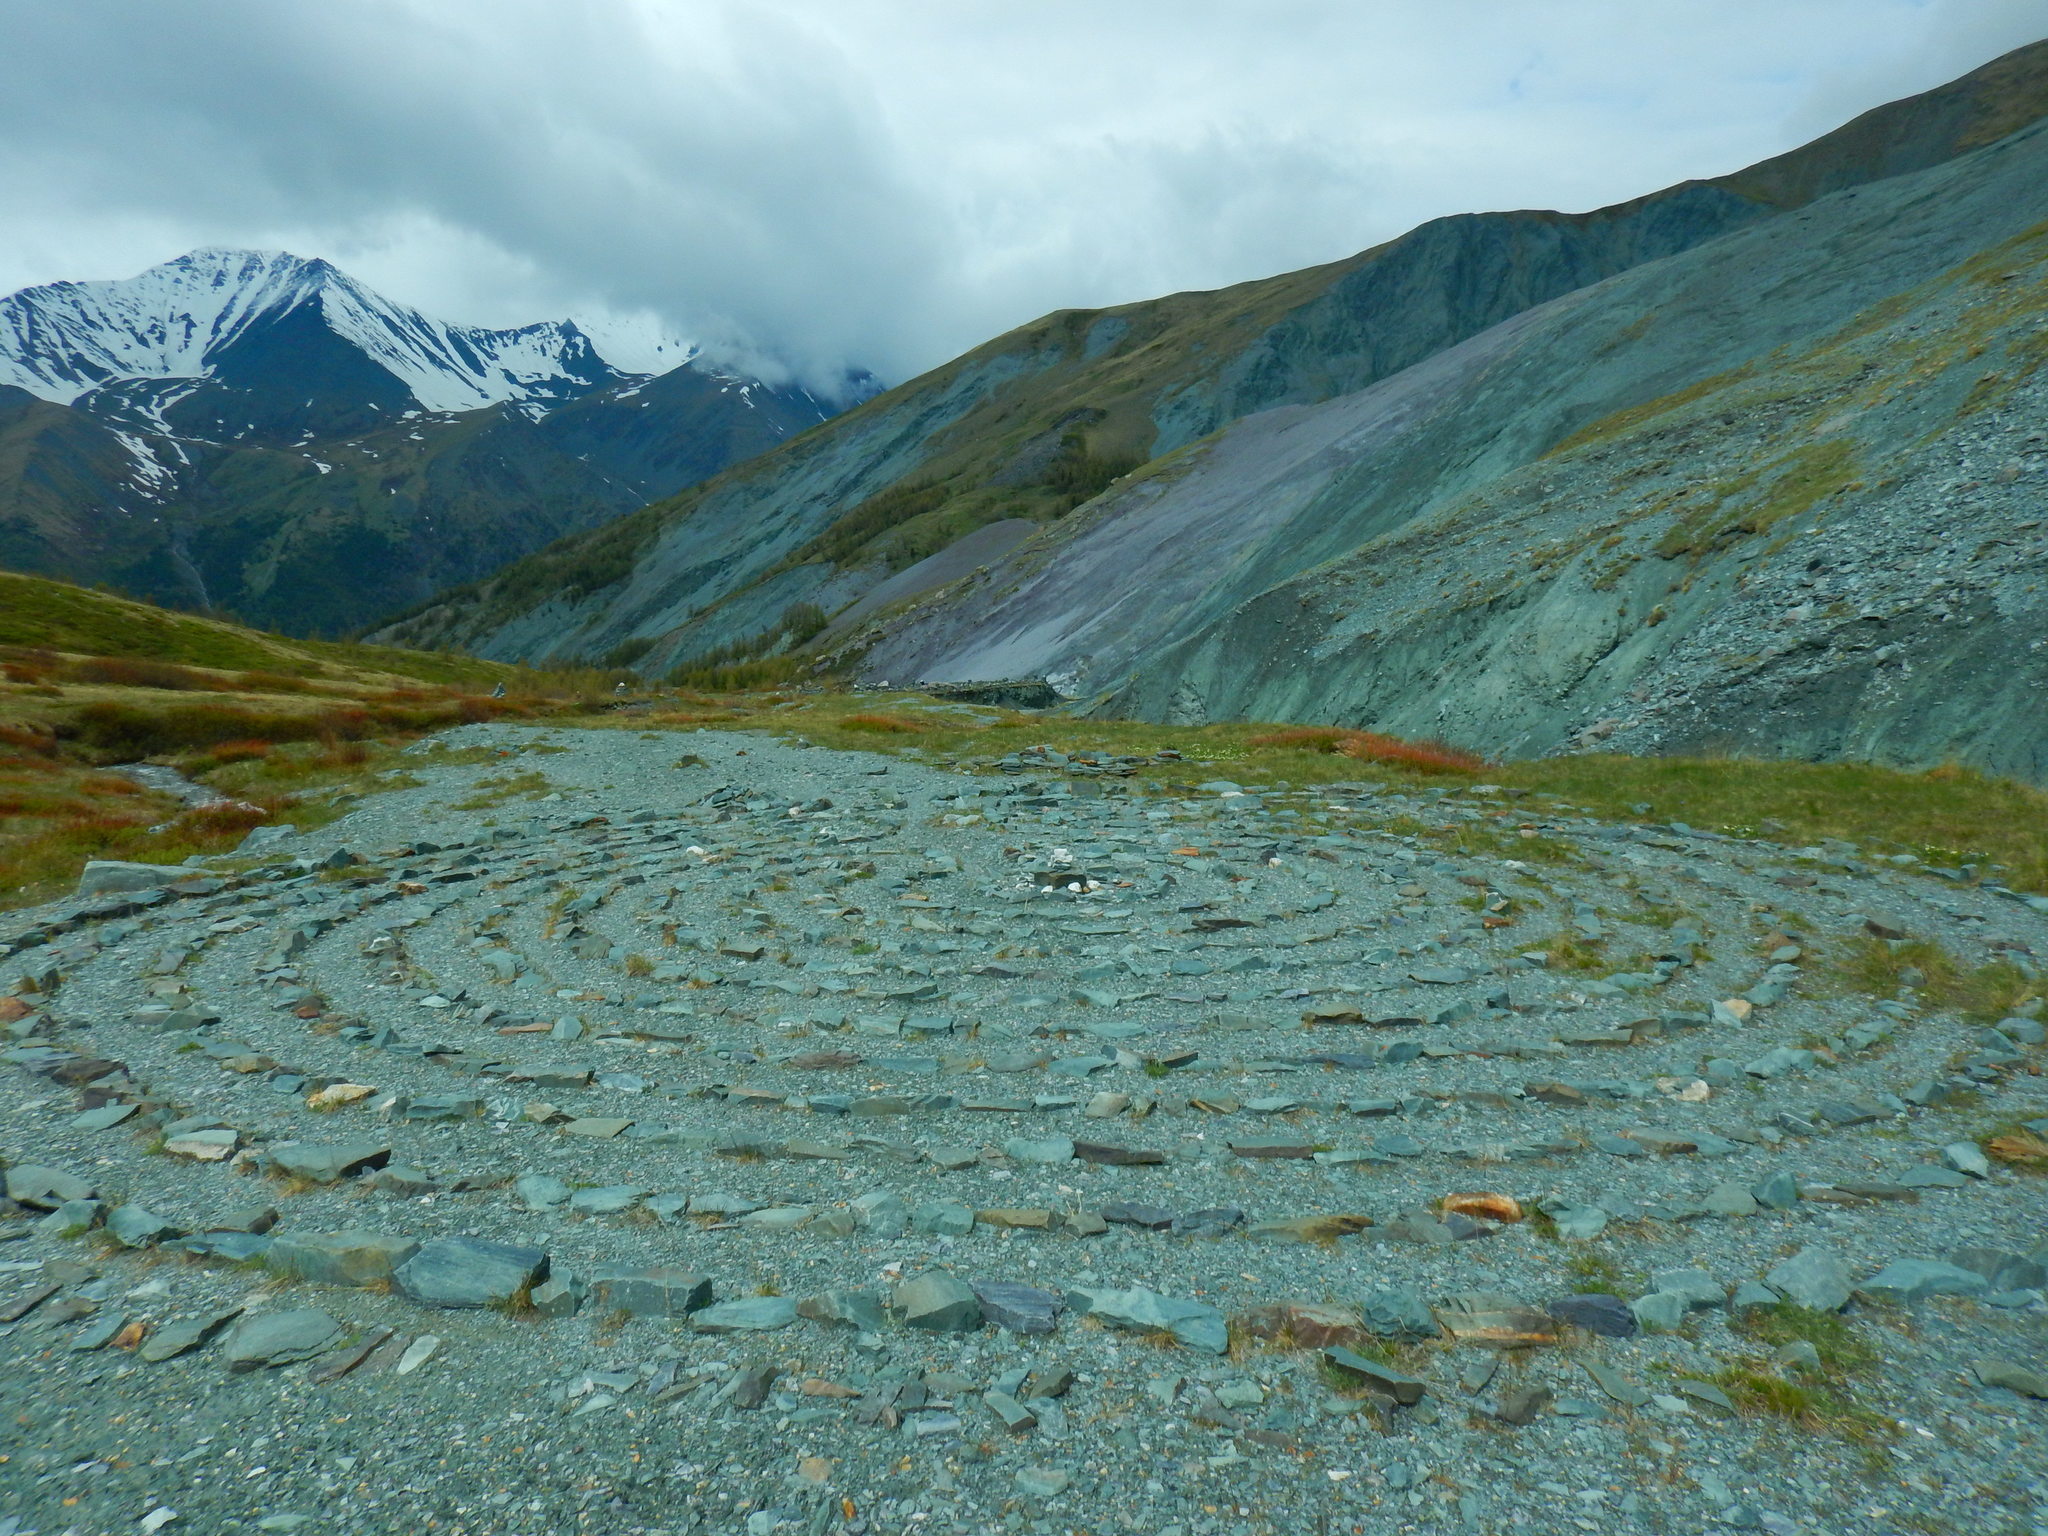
1012,438
259,434
1779,495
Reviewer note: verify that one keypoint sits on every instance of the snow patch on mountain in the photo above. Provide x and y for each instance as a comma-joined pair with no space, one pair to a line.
63,340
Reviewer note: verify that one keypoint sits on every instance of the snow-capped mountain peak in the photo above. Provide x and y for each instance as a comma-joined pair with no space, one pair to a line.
62,341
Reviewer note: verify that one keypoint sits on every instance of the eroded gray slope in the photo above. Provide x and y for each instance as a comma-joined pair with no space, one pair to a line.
1118,606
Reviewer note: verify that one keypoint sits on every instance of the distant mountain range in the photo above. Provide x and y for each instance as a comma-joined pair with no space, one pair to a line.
259,433
1756,462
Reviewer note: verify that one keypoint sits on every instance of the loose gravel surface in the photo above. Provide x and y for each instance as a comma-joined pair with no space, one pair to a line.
707,1132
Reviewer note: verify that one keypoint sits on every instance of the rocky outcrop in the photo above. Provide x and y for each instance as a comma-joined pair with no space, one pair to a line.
1780,494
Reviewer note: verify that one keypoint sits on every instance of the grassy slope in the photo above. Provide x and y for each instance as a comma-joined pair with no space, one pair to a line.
88,679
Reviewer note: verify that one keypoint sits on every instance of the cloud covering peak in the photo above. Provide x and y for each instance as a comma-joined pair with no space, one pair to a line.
814,184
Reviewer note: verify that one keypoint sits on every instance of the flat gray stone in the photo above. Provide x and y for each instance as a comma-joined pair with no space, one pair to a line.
105,1118
106,877
349,1258
1194,1324
44,1189
1730,1199
606,1200
2012,1376
853,1309
1660,1311
1699,1288
1968,1158
279,1338
1384,1379
133,1227
659,1291
1018,1308
1608,1316
1580,1222
1398,1312
943,1218
749,1314
1776,1191
321,1164
1614,1385
175,1339
1053,1149
469,1272
541,1191
74,1218
1910,1280
1753,1295
560,1295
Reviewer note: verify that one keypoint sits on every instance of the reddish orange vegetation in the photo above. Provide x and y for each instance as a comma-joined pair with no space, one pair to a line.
239,751
139,672
1425,756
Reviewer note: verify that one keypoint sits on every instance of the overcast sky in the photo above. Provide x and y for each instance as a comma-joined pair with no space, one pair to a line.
888,182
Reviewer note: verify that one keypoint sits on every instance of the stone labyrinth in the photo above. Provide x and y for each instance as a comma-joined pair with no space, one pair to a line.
707,1132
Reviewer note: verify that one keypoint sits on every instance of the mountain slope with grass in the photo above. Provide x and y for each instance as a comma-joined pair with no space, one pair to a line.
1045,420
259,434
272,728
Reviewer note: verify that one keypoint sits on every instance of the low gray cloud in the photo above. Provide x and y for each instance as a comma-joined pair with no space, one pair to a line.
887,182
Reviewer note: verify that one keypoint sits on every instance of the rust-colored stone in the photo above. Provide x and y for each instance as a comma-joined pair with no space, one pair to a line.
1484,1206
818,1386
1302,1324
1503,1328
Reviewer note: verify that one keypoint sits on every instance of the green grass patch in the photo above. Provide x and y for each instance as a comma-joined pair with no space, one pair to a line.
1760,499
1947,816
1841,1347
495,791
1883,968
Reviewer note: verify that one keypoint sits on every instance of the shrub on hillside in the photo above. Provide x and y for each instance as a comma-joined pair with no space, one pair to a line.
1425,756
138,672
128,730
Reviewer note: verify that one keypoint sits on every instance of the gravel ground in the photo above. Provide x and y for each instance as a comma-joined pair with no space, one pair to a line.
713,1007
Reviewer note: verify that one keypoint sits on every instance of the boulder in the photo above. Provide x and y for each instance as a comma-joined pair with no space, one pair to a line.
107,877
938,1303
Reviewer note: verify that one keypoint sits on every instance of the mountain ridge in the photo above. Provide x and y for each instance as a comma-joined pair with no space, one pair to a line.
62,341
260,433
